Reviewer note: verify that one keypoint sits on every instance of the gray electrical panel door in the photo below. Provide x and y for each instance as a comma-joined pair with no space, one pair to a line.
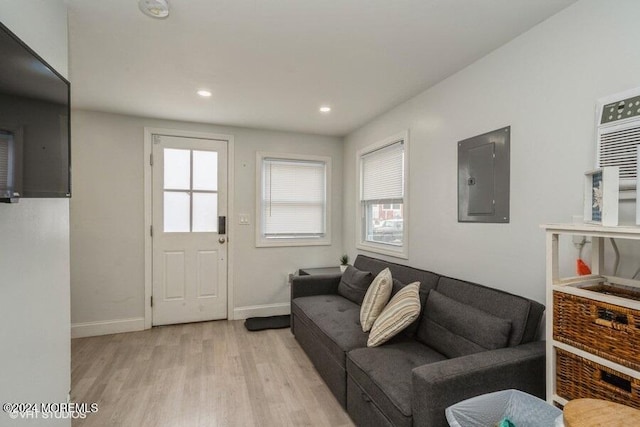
480,181
483,177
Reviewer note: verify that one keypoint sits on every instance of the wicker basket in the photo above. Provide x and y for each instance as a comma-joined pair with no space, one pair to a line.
609,331
577,378
615,290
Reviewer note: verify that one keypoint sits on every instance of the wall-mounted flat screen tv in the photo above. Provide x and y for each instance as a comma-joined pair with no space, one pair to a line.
35,155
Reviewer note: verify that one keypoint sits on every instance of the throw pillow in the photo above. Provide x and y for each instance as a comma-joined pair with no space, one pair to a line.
410,330
375,299
401,311
354,284
456,329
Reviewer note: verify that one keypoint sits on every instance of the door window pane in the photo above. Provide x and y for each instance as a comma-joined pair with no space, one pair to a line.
205,170
205,212
177,169
176,212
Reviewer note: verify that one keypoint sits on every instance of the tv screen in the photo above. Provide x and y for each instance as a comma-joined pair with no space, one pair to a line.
34,120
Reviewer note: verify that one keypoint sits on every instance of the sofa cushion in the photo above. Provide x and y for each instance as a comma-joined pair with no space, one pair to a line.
375,299
334,320
399,313
403,273
354,284
525,314
456,329
384,373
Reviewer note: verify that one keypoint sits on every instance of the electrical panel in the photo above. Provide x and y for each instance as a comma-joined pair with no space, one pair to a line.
483,177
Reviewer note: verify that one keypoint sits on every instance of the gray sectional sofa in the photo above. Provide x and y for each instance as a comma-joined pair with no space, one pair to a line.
469,340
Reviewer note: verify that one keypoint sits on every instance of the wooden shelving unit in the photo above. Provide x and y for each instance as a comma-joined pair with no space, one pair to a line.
575,286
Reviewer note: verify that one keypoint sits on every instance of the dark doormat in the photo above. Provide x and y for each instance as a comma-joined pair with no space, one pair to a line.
272,322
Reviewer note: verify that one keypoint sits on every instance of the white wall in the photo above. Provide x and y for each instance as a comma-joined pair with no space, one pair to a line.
107,220
34,252
544,84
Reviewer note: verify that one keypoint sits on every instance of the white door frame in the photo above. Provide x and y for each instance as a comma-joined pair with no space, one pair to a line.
148,242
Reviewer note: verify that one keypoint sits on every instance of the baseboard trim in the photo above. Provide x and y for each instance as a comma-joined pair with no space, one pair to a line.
261,310
92,329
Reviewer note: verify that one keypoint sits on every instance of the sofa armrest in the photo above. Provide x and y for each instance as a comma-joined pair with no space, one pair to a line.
320,284
439,385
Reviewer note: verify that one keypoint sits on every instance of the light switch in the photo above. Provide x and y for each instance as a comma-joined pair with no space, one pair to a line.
244,219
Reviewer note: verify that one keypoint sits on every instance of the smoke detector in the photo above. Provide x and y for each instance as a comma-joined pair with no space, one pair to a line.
154,8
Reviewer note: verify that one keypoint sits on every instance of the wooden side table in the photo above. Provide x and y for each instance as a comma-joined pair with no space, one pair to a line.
599,413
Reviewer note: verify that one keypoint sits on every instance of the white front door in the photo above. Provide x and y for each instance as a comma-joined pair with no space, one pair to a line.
189,248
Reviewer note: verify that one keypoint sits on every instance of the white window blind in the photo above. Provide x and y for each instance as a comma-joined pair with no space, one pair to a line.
293,198
383,173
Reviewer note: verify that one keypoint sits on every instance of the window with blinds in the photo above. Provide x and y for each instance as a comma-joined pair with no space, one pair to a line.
382,196
294,196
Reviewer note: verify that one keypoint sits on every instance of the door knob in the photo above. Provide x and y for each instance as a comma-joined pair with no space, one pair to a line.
221,240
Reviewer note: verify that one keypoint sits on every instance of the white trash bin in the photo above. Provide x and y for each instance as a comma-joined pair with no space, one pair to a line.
487,410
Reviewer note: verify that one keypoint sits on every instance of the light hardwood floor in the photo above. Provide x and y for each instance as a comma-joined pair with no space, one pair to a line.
200,374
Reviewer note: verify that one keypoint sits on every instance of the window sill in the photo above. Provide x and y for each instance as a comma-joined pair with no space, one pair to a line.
400,252
280,243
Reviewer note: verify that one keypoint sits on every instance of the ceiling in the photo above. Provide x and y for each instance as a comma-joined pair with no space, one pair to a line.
272,63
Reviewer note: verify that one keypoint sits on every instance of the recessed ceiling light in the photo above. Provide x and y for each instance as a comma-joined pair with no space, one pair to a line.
204,93
325,109
154,8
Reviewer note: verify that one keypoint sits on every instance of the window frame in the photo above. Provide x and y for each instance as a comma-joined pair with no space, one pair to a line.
396,251
263,241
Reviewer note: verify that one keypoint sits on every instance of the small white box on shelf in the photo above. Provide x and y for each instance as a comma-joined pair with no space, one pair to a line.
601,196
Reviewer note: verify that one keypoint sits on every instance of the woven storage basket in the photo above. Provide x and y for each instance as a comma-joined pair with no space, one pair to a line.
577,378
609,331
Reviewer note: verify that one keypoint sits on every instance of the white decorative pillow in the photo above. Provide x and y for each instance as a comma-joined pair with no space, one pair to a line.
375,299
402,310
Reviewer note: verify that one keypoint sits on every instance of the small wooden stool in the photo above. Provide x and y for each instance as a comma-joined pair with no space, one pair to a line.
599,413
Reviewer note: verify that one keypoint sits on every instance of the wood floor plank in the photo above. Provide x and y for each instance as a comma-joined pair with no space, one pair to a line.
209,374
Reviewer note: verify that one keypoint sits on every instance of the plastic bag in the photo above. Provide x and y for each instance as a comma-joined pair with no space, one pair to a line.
488,410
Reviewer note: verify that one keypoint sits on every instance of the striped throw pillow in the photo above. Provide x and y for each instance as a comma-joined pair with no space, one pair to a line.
402,310
375,299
